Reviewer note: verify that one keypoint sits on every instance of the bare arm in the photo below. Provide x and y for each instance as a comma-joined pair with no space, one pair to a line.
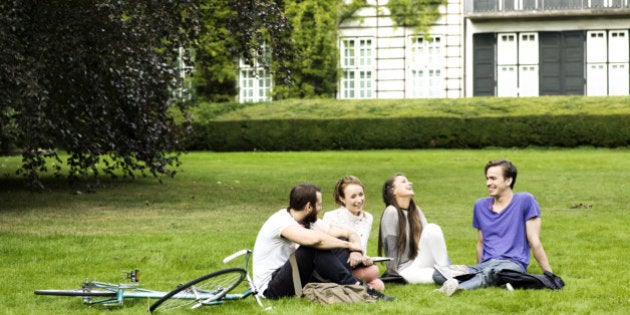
356,257
533,237
317,239
479,248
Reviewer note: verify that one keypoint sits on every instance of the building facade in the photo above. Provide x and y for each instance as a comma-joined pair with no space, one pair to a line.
547,47
511,48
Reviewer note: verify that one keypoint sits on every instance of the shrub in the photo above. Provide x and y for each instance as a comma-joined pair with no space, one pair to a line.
416,124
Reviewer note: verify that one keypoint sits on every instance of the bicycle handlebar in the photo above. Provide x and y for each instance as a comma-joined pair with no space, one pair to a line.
237,254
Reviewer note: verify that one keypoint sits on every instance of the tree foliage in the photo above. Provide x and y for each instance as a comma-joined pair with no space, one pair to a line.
234,29
314,37
94,78
417,14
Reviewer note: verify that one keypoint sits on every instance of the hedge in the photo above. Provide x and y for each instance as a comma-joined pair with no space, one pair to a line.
412,132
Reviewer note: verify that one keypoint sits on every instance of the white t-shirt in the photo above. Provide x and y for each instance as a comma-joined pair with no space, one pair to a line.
361,224
271,250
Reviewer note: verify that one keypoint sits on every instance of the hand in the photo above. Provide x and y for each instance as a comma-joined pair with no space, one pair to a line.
355,258
367,261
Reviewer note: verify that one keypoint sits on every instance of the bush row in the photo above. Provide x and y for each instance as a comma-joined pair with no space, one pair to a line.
412,133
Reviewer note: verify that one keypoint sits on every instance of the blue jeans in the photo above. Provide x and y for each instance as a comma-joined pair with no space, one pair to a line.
485,273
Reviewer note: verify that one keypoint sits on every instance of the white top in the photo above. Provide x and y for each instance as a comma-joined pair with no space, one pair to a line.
361,224
271,250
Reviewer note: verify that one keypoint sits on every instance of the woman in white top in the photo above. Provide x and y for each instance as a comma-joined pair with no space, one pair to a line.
349,194
406,236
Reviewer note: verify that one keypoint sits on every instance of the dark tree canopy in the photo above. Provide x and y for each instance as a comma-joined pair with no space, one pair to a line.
94,78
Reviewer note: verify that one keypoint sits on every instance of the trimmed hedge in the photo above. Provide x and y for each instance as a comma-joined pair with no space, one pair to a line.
412,133
329,124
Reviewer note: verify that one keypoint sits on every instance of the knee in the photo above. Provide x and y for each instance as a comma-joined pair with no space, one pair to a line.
367,273
432,231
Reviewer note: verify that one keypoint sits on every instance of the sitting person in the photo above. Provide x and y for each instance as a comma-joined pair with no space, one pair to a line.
289,231
508,226
406,235
350,196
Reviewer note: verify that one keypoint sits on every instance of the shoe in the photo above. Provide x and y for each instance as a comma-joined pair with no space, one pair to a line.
378,295
449,287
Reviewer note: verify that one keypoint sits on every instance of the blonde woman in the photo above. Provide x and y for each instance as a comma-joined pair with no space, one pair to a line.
349,194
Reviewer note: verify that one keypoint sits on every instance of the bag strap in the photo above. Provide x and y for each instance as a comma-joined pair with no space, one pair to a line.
297,283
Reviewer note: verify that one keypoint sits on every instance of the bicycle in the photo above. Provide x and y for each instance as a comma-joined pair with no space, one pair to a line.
211,289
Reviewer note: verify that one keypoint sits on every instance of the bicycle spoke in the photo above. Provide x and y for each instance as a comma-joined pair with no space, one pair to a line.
210,288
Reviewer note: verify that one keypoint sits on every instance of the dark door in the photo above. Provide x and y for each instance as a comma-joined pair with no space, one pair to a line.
483,64
562,63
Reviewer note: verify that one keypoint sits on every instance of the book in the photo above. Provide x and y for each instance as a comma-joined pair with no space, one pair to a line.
381,258
452,271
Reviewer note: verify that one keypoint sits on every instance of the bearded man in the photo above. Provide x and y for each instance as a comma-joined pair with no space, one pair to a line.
321,251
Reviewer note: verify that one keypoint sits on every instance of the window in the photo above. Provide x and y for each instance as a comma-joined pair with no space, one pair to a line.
357,64
607,63
507,62
517,64
426,67
255,82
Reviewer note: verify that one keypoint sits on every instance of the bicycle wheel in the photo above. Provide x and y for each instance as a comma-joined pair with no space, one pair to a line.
77,292
210,287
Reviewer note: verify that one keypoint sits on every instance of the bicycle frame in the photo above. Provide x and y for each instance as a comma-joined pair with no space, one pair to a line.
110,295
251,290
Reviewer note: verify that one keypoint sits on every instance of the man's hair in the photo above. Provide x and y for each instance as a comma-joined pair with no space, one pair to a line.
341,185
509,169
301,195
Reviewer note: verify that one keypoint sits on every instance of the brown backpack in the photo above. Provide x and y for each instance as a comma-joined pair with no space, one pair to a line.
331,293
328,292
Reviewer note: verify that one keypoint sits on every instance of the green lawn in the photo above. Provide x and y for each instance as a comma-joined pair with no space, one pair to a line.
176,231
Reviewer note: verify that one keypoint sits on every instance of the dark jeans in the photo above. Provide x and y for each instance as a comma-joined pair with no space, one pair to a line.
331,265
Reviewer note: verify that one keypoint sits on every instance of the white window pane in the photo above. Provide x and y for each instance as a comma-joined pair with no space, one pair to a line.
506,49
528,80
596,79
506,81
618,79
596,44
528,48
618,46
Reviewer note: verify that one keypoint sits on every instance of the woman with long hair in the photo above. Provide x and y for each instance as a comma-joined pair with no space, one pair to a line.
405,235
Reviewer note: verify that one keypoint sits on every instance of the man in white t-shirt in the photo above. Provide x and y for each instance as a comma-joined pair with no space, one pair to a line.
321,250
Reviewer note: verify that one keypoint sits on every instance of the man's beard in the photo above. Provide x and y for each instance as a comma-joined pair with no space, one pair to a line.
310,219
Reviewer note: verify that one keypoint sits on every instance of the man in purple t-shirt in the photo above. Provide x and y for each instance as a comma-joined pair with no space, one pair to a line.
508,226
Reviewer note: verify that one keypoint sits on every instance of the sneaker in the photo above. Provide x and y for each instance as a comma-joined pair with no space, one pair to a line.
449,287
378,295
509,287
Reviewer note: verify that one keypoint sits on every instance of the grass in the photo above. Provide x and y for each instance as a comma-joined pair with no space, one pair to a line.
176,231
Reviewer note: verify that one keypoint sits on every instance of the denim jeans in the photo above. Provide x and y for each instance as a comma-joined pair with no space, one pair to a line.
328,264
485,273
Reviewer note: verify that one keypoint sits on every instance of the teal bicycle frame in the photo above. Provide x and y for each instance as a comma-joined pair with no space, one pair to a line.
110,295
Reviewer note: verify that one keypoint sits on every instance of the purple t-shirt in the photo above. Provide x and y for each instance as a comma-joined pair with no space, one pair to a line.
504,234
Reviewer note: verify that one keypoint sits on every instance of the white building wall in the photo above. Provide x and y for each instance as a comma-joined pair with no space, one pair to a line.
391,77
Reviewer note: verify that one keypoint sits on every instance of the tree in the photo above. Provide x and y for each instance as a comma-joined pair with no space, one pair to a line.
234,29
95,78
